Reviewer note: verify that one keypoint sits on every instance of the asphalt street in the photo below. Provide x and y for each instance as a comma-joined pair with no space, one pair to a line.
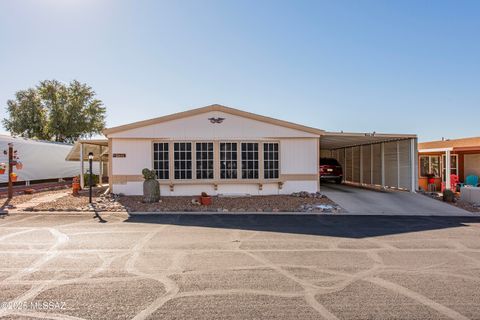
239,267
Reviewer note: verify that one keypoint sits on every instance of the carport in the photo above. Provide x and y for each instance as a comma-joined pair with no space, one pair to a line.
374,159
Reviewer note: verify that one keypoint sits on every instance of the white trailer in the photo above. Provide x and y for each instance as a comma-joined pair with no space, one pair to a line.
42,160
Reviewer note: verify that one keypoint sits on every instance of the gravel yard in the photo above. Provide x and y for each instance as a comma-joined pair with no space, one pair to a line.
22,198
472,207
300,202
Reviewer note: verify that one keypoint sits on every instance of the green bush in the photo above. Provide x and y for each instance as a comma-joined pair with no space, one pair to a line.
448,196
95,179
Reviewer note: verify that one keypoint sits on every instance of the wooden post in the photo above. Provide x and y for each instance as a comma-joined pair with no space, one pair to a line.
10,170
82,168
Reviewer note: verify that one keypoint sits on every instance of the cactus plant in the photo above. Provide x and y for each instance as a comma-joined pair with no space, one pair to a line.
151,187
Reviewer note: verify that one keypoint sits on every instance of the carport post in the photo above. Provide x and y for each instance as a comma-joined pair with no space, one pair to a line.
447,169
382,154
371,164
398,164
361,164
412,165
100,172
82,168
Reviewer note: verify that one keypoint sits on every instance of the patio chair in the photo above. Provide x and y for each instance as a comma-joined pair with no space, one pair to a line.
471,180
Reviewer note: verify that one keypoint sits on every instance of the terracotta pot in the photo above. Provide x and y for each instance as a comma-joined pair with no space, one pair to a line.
2,171
13,177
206,201
19,166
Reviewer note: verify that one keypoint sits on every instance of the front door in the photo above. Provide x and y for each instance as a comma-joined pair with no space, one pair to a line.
453,165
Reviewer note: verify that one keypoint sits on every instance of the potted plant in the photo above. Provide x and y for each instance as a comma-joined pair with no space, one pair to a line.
205,199
430,178
19,165
13,176
3,167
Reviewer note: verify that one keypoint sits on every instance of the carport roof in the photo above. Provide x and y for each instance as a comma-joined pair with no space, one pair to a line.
337,140
98,147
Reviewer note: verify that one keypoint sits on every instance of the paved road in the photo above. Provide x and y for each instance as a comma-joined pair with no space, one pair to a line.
362,201
239,267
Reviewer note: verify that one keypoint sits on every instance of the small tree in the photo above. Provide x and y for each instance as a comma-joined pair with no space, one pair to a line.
54,111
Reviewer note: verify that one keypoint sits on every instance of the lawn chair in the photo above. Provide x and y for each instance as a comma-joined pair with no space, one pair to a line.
454,183
471,181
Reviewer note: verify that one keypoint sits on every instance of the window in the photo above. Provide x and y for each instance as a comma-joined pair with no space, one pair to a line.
228,160
160,160
204,160
249,160
453,164
270,161
430,165
182,156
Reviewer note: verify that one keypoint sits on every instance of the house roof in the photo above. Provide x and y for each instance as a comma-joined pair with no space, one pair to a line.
213,107
454,143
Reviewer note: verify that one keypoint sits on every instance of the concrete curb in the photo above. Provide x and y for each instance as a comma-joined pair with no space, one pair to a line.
208,213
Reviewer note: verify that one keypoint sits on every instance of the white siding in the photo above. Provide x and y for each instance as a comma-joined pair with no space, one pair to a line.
298,153
138,156
199,127
298,156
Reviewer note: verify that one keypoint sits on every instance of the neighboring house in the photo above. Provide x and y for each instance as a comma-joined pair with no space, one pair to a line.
42,160
464,156
221,150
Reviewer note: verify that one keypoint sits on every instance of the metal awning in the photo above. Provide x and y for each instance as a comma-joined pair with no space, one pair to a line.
337,140
99,148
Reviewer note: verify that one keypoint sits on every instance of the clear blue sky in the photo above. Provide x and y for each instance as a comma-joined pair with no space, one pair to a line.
384,66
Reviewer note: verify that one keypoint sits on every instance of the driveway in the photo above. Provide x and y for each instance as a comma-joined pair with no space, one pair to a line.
227,266
365,202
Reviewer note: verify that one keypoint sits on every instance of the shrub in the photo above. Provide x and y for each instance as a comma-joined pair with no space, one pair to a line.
448,196
95,179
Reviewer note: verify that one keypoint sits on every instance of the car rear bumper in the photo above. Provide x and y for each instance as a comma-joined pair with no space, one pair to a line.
331,177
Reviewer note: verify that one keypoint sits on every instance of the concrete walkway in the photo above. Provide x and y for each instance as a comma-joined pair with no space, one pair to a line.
366,202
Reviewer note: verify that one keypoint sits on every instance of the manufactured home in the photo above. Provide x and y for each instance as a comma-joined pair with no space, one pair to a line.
459,157
221,150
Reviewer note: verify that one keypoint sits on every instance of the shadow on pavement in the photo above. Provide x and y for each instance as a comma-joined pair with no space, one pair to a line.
321,225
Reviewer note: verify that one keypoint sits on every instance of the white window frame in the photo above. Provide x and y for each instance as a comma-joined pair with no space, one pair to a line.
185,160
451,168
237,169
164,160
430,164
248,161
210,157
277,170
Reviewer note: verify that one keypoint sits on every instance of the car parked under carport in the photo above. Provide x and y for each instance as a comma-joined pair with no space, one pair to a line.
374,159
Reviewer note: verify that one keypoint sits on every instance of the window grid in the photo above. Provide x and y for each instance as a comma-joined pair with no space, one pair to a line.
228,160
182,152
204,160
430,165
160,160
453,164
249,160
270,161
